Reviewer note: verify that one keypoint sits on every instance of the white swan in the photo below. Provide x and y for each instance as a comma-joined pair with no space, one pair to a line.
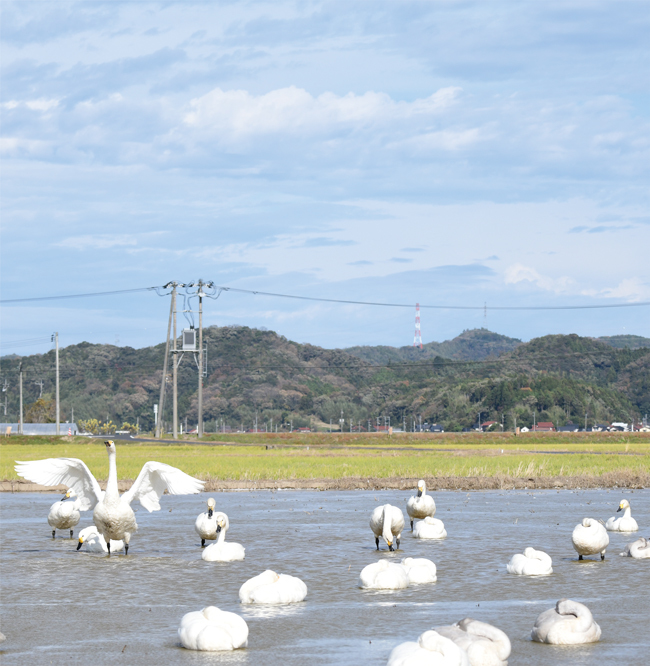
384,575
431,649
272,588
590,538
64,515
420,505
429,528
95,542
112,514
485,645
531,563
222,550
387,521
624,523
212,629
639,550
569,623
419,570
206,523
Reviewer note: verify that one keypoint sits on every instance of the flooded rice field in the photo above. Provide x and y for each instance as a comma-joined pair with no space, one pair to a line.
62,606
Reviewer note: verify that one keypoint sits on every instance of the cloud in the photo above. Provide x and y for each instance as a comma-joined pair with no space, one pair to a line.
98,241
325,242
293,110
519,273
601,228
631,290
401,260
361,262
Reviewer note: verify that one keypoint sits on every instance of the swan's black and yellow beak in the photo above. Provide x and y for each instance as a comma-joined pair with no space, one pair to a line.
620,508
81,541
210,512
218,529
419,493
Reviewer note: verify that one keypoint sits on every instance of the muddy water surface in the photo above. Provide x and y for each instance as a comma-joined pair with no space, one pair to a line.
60,606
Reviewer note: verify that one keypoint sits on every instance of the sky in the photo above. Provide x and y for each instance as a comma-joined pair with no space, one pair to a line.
446,152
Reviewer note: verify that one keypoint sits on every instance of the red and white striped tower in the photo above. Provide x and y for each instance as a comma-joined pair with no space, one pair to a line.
417,340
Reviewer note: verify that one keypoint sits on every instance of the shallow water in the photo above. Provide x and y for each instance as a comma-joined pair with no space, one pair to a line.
60,606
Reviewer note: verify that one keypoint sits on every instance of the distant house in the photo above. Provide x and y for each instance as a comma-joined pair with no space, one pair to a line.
302,430
436,428
524,429
600,427
544,426
487,425
569,427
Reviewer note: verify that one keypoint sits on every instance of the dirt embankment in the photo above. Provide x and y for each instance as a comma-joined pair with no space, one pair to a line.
607,480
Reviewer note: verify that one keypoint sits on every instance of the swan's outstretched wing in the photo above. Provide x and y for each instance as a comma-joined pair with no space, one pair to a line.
154,479
70,472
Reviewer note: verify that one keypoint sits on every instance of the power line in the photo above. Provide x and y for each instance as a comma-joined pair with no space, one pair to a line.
98,293
435,307
345,301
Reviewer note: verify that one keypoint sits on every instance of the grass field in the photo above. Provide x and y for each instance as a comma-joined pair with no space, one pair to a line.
286,457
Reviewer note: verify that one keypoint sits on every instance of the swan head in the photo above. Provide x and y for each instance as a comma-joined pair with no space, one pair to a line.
623,505
211,505
421,487
70,493
221,523
110,446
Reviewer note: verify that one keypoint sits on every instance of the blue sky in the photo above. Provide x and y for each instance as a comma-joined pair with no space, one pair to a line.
446,152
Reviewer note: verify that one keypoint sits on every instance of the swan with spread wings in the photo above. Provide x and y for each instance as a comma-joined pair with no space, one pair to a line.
112,515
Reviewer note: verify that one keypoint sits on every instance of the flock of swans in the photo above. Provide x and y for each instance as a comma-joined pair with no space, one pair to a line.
467,643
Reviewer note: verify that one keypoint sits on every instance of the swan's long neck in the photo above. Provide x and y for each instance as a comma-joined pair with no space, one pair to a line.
584,618
387,532
628,512
222,535
112,492
499,640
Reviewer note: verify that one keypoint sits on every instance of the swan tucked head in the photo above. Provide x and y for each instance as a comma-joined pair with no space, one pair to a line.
623,505
110,445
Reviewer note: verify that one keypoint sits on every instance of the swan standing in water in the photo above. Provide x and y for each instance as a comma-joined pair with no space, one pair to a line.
420,505
112,514
431,649
222,550
639,550
272,588
531,563
95,542
206,523
212,630
590,538
388,522
65,515
429,528
569,623
485,645
624,523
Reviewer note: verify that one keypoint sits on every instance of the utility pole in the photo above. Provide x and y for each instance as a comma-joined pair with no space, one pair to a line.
163,383
174,369
20,421
40,383
199,429
58,412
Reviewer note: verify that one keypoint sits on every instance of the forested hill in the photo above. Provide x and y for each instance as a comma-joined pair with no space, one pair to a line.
253,372
472,345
